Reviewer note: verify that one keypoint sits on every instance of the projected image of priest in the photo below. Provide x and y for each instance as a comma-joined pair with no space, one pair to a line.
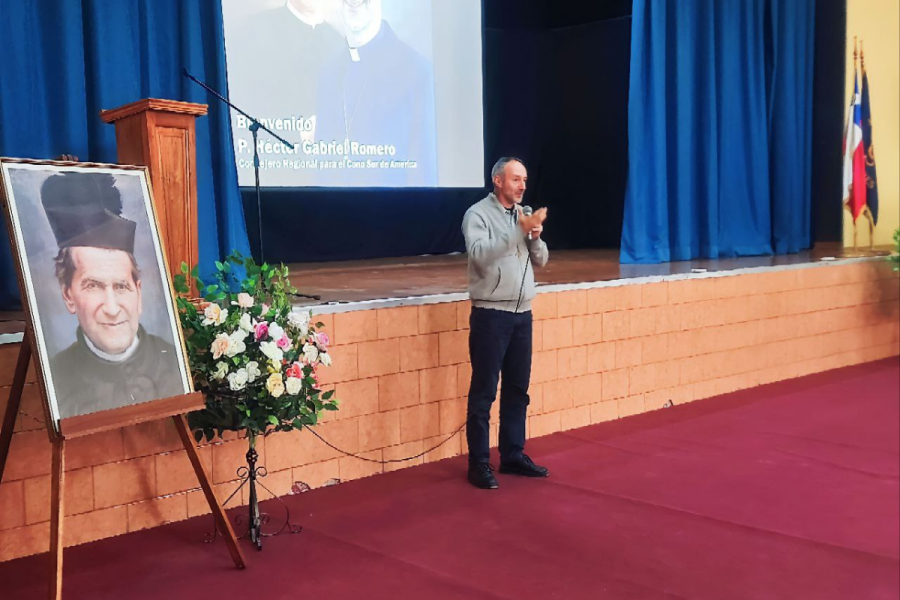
274,58
113,362
379,91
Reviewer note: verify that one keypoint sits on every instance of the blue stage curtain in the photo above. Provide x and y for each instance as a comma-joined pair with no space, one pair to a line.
790,106
66,60
719,129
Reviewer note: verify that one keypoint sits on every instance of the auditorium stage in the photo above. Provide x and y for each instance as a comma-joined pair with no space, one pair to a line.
341,285
421,277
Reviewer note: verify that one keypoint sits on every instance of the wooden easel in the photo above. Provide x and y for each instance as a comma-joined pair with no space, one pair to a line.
174,407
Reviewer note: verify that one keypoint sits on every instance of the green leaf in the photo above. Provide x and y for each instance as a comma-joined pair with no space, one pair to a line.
327,395
198,435
220,266
180,284
184,268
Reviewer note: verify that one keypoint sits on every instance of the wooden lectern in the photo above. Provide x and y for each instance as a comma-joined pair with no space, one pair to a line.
160,135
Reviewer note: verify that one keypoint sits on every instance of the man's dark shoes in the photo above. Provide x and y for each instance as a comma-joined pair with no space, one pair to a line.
525,467
481,475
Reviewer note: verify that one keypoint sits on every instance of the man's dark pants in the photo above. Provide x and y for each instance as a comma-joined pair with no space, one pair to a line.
499,342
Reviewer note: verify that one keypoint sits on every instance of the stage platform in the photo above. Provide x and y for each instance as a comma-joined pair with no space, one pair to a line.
442,278
359,284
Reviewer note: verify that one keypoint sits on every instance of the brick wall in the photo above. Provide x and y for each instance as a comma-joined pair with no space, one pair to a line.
402,375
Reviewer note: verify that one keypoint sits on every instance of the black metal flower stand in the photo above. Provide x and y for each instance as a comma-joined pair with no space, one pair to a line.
250,476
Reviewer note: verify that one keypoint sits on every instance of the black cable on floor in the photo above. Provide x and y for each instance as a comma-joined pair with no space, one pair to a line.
384,462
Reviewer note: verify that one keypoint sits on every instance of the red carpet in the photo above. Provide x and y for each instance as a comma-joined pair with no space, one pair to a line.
785,491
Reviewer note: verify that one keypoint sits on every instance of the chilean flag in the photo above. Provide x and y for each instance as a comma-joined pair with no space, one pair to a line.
854,194
869,150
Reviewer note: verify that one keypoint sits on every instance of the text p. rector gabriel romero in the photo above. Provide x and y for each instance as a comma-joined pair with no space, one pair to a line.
320,148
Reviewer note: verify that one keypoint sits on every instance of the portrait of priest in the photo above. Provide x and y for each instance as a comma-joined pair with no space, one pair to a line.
114,361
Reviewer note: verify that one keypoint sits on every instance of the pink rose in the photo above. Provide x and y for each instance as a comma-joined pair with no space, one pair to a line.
322,337
295,370
284,343
262,330
220,345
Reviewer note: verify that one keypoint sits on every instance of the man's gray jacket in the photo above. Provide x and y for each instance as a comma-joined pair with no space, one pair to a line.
500,275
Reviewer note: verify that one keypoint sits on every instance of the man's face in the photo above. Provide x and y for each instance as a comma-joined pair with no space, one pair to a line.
105,297
510,184
360,14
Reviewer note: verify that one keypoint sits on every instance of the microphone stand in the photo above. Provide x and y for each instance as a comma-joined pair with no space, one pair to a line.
255,126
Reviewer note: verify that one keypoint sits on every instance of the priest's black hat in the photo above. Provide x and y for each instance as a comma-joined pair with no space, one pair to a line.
84,209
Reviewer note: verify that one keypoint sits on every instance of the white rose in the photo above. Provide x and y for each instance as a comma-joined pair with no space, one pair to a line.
325,358
275,331
237,380
221,371
245,323
214,315
293,386
310,353
237,344
253,371
272,351
220,345
300,322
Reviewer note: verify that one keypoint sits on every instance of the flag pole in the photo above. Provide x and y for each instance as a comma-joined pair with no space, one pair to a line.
866,212
855,230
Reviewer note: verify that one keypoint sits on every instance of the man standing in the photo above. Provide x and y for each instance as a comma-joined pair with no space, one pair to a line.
114,362
503,242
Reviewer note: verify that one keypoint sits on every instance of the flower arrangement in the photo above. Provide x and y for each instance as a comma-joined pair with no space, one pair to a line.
256,360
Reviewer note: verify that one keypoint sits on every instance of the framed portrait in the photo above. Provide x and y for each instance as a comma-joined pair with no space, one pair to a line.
95,285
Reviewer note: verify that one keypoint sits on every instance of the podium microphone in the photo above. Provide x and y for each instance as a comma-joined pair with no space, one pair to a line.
255,126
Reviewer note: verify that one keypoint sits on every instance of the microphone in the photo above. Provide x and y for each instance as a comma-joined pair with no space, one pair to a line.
527,211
